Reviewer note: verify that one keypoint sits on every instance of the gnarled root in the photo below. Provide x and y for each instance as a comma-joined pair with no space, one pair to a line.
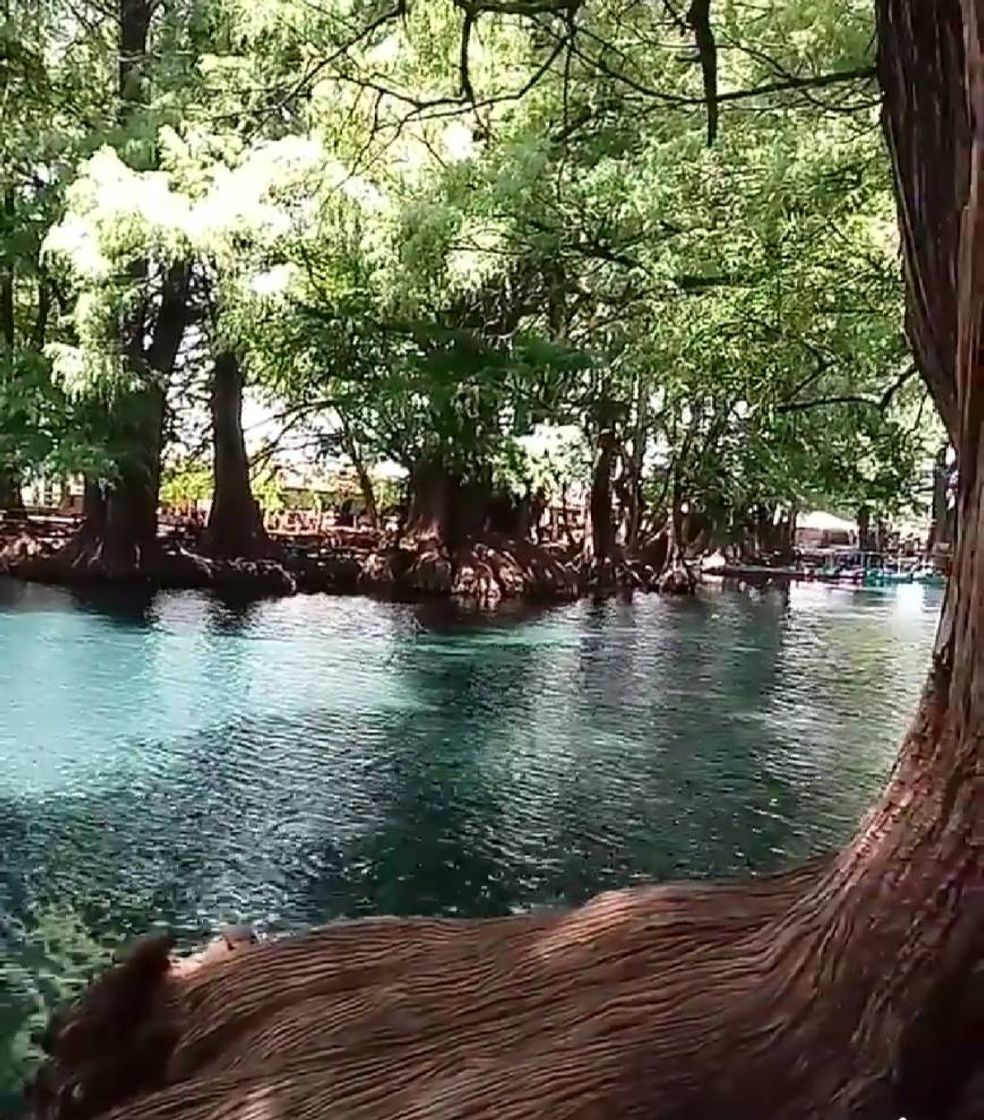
497,567
160,567
19,550
484,570
651,1002
677,580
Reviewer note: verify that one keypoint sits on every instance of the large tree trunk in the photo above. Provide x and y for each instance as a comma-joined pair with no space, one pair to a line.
431,494
129,530
235,527
124,539
851,990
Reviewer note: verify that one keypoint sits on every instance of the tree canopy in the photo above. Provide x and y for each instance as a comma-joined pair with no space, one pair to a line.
435,230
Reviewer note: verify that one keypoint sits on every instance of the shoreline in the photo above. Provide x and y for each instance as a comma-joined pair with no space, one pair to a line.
485,570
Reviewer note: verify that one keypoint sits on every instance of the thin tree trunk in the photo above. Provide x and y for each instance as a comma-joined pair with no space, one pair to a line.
939,529
565,511
865,538
11,498
93,502
365,479
235,527
8,327
40,331
10,483
599,530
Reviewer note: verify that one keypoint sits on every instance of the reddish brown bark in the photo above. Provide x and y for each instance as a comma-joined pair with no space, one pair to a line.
429,515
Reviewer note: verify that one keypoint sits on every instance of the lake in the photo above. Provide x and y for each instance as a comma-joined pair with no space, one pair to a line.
174,758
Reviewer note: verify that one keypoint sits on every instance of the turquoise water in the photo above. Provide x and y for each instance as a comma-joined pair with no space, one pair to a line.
176,759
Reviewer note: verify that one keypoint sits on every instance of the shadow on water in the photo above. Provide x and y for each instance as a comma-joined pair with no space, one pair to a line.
441,615
124,606
228,614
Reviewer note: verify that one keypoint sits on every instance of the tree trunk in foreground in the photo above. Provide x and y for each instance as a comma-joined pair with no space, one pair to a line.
235,527
848,990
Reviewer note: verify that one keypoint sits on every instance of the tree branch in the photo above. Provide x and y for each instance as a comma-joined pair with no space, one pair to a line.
699,19
787,83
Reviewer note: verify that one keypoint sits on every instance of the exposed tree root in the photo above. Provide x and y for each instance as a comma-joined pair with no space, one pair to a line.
678,579
497,567
20,549
676,1002
662,565
160,567
483,570
846,990
603,1011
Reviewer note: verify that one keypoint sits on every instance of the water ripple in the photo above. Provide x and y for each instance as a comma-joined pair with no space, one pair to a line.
173,758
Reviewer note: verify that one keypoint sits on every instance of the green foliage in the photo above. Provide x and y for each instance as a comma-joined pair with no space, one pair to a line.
184,483
52,967
453,260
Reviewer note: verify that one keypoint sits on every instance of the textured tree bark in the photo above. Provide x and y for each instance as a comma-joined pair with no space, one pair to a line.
235,527
122,541
431,493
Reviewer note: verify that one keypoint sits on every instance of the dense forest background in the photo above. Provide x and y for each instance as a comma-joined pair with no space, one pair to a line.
510,247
